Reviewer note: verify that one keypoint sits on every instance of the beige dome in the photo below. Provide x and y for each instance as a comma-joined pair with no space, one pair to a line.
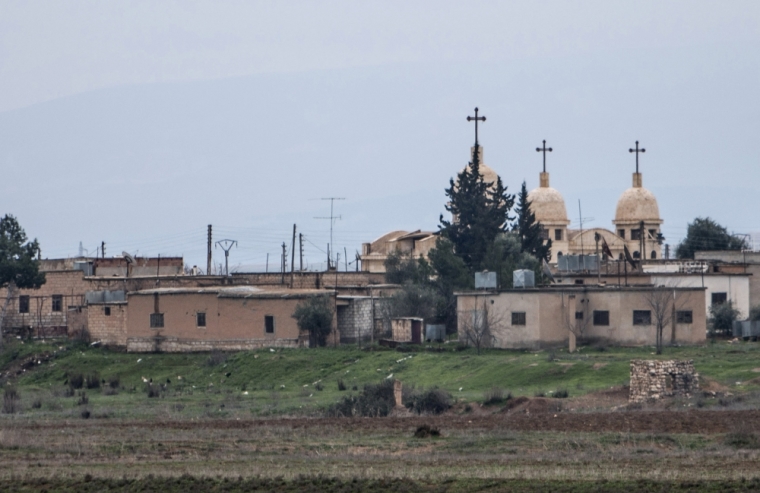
548,205
489,175
635,205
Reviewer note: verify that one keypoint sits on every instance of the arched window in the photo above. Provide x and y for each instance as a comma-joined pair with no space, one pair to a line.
620,257
636,254
653,254
559,254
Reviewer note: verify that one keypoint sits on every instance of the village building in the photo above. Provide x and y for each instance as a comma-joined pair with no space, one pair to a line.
228,318
566,315
414,244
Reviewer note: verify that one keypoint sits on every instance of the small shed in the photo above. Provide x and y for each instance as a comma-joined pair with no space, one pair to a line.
407,329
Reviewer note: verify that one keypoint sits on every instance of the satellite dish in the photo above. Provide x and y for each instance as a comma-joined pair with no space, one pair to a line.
129,258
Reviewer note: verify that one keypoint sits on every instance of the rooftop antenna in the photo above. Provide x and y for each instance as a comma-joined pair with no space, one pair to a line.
332,219
226,246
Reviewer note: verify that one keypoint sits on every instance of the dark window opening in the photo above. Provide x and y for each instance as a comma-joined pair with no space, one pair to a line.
601,317
559,254
620,257
200,319
579,281
642,317
636,254
653,233
579,315
107,311
156,320
23,304
269,324
543,234
57,302
621,233
518,318
719,298
653,255
635,234
558,235
684,317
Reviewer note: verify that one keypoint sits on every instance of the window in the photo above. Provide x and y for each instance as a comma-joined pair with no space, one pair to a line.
543,234
57,302
620,257
653,255
635,234
518,318
269,324
558,235
653,233
719,298
156,320
642,317
23,304
684,317
601,317
579,315
559,254
579,281
107,311
621,233
636,254
200,319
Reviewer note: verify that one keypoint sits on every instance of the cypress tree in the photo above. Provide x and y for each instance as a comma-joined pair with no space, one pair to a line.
529,230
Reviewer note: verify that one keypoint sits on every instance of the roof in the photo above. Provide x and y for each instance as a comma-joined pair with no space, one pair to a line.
236,292
637,204
548,205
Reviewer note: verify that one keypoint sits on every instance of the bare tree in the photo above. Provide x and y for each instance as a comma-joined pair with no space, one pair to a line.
664,302
477,326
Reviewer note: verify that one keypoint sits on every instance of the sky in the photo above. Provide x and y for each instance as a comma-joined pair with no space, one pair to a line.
140,123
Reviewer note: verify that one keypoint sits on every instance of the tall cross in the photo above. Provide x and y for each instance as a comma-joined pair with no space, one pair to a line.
637,151
544,149
476,118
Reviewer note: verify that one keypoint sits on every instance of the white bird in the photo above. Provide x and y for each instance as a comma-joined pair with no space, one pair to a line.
389,376
271,350
139,360
460,388
145,380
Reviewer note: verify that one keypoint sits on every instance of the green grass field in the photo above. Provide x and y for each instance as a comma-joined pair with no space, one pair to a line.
288,381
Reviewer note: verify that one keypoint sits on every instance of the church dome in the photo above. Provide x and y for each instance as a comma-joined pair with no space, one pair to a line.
548,205
489,175
635,205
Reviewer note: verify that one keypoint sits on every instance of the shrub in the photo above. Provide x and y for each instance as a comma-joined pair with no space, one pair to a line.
722,316
341,385
216,358
319,386
561,394
374,401
37,404
152,391
92,381
83,399
495,396
10,401
114,382
85,414
742,439
426,431
76,380
432,401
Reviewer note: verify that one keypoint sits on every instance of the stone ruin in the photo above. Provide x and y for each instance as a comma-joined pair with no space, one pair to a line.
652,379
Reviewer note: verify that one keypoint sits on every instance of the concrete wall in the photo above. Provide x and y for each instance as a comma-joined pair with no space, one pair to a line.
550,316
355,320
736,288
231,323
109,329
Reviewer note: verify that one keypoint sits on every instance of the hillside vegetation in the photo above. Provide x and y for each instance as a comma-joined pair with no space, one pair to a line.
51,378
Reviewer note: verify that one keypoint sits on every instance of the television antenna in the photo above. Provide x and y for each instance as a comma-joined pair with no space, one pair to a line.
332,219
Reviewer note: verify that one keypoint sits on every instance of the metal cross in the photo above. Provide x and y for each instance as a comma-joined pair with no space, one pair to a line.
476,118
637,151
544,149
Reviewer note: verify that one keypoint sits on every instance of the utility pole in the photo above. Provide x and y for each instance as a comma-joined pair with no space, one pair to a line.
300,252
345,258
267,267
208,253
102,249
293,257
332,219
282,263
226,246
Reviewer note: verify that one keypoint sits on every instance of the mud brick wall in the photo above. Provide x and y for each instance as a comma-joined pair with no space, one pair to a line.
176,345
656,379
108,329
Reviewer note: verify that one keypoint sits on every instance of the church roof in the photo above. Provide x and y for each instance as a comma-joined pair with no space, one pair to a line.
548,205
637,204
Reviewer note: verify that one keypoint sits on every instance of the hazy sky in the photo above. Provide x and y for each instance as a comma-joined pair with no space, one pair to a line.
239,113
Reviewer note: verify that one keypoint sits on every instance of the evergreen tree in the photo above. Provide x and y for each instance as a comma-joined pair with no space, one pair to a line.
480,212
19,266
706,234
529,230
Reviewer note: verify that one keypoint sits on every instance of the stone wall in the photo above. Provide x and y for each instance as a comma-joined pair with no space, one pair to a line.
656,379
175,345
355,320
107,323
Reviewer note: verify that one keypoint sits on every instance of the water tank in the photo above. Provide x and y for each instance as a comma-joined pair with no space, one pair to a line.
523,278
